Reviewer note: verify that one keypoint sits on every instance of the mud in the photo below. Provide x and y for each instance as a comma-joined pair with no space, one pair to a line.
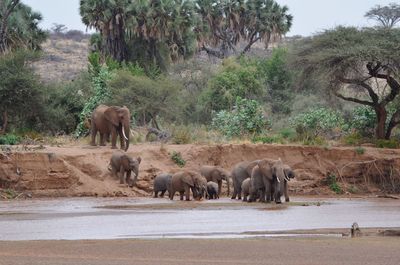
145,218
82,170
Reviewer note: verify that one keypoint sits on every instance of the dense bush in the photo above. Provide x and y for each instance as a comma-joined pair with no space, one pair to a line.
317,122
9,139
234,80
247,117
363,120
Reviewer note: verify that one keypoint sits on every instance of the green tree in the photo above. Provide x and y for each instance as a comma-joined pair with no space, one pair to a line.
225,23
388,16
359,65
19,27
234,80
20,95
278,81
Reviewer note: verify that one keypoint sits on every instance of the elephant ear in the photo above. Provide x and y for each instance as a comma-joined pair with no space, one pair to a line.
125,160
112,115
188,179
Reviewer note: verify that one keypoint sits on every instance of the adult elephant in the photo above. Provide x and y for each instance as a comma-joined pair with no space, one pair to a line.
111,120
184,181
289,174
268,178
240,172
216,174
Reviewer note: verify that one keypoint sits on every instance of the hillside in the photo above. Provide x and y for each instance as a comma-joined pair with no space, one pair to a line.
64,57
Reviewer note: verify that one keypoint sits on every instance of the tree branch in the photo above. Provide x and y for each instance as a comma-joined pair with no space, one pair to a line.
371,92
359,101
394,121
214,52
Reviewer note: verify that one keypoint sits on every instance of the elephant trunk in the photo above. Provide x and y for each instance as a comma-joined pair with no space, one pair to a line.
126,133
227,183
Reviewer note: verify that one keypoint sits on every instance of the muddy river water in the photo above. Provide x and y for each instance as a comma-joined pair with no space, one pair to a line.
116,218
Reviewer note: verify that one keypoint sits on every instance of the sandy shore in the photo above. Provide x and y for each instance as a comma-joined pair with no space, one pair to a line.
366,250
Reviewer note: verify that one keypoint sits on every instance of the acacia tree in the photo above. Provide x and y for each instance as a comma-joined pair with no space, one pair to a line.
360,66
388,16
227,22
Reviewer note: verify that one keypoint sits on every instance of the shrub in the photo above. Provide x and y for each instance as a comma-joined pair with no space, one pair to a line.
359,150
363,120
317,122
181,135
333,185
354,138
177,158
247,117
382,143
287,133
9,139
267,139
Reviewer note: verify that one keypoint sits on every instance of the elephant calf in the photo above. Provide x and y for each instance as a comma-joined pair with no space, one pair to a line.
122,163
212,190
246,188
216,174
162,183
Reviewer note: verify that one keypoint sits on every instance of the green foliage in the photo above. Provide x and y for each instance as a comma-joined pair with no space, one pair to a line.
101,95
177,158
363,120
149,98
247,117
354,138
359,150
382,143
317,121
234,80
288,133
9,139
333,185
278,81
267,139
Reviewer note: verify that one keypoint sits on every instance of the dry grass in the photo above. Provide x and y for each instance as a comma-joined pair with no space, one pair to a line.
63,59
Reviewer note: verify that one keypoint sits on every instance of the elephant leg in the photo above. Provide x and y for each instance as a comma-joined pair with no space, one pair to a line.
162,193
93,132
262,198
114,139
171,194
155,194
239,192
234,190
128,178
121,175
102,139
285,191
181,193
187,192
219,187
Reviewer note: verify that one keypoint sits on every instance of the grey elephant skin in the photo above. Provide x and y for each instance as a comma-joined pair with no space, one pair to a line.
162,183
216,174
212,190
240,172
122,166
186,181
246,189
114,121
268,178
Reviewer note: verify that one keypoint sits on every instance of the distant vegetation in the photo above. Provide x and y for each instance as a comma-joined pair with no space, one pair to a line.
190,72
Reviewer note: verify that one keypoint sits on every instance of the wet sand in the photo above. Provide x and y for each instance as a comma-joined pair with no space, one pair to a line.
327,251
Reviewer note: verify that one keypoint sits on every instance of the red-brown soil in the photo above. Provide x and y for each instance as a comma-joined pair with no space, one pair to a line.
82,170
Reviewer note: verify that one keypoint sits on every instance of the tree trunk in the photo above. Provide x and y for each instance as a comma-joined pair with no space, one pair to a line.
394,121
381,115
5,121
115,43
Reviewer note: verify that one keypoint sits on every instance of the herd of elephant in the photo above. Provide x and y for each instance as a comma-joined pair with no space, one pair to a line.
264,180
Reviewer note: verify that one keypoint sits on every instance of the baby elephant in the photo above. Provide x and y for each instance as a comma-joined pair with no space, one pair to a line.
162,183
212,190
246,188
122,163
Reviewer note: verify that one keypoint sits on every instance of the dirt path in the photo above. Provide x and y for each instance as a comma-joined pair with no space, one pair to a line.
277,251
82,170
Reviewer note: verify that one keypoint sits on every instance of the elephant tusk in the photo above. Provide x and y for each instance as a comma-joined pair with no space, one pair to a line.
278,180
123,132
287,178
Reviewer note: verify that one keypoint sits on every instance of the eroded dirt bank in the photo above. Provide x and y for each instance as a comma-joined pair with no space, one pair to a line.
82,170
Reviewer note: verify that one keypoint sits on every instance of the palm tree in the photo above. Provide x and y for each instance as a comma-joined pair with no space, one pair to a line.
110,18
19,27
